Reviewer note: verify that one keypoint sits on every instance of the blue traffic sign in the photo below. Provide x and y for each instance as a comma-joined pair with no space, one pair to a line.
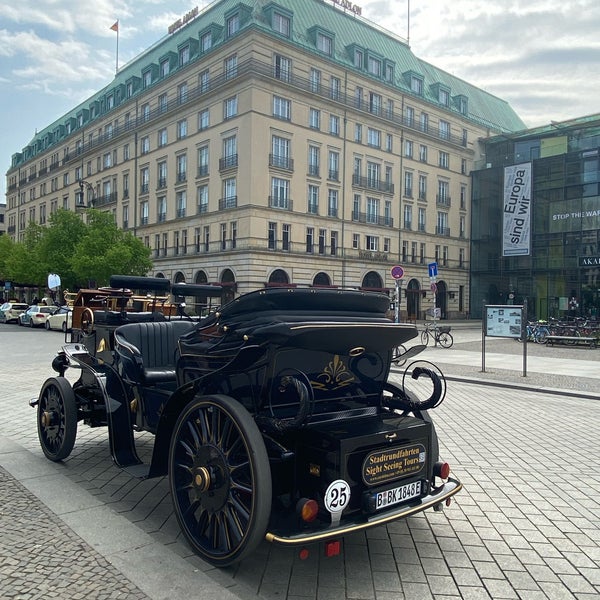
433,270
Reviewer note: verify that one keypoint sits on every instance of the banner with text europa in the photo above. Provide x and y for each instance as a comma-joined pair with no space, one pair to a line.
516,237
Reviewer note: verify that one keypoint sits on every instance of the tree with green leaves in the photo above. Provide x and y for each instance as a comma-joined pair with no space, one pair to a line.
75,250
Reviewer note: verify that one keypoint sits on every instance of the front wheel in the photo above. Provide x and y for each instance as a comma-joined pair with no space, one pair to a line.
445,340
425,337
57,418
220,479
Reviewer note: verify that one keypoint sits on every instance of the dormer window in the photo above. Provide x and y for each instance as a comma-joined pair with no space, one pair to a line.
165,67
233,25
359,58
184,55
281,24
324,43
374,66
147,78
462,104
416,84
444,97
388,72
206,41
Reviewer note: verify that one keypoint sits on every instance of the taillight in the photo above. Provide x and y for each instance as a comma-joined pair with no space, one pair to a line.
442,470
307,509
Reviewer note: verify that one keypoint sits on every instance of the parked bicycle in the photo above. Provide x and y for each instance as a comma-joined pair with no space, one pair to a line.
439,334
536,331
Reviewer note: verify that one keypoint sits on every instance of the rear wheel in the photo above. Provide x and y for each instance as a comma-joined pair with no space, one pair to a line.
220,479
397,353
47,325
57,418
445,340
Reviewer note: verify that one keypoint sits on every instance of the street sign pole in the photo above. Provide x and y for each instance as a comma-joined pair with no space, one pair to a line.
397,273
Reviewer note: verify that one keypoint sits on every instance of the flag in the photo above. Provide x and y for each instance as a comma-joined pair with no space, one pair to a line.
115,26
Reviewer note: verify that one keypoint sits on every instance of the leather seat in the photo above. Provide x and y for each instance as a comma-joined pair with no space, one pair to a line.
147,350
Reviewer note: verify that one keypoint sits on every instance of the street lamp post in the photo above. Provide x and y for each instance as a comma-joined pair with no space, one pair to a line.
79,196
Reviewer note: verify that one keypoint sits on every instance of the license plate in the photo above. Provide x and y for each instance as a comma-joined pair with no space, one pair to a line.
397,495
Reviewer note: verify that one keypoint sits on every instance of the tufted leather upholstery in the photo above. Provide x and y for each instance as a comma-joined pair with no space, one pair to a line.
147,350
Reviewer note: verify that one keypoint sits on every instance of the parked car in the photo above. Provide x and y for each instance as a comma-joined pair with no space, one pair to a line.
10,311
35,316
61,320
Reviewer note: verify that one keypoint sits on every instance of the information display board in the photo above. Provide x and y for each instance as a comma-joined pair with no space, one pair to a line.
503,321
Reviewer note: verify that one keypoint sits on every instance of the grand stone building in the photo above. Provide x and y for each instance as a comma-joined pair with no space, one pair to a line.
286,143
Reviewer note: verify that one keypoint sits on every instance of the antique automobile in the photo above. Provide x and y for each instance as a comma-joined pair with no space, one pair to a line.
273,418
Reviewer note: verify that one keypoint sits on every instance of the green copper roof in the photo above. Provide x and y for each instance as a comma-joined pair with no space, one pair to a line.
347,31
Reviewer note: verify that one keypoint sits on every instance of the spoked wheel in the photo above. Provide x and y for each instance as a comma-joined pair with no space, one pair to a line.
220,479
424,337
445,340
397,353
57,418
87,321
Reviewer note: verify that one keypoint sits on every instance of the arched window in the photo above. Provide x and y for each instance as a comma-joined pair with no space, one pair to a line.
179,277
279,276
322,279
372,280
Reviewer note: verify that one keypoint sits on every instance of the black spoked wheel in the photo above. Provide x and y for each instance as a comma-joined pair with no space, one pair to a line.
445,340
424,337
397,353
220,479
57,418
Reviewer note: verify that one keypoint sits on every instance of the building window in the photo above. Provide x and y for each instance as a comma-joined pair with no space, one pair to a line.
422,252
203,119
422,187
461,257
314,160
358,132
422,219
182,129
359,58
374,137
334,125
280,156
144,213
375,102
408,184
230,107
282,108
184,55
204,81
372,243
310,239
230,67
374,66
281,24
314,119
356,241
408,149
272,236
463,166
410,116
162,137
230,151
280,193
203,161
463,197
335,87
286,234
313,199
443,193
144,180
407,216
233,25
162,174
233,233
389,142
416,85
230,192
206,41
444,97
372,210
182,93
181,162
203,199
206,236
442,224
334,166
164,67
145,145
180,203
444,130
423,153
424,122
325,44
282,67
315,80
162,209
332,203
322,240
444,160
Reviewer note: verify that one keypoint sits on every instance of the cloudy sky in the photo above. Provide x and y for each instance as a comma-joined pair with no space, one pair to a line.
542,56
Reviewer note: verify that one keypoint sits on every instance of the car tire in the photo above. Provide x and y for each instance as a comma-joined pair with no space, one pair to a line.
31,323
47,325
64,327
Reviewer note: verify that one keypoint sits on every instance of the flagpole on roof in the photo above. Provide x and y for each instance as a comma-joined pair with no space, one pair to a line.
115,27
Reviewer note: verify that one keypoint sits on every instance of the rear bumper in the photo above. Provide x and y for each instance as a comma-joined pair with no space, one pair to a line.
438,496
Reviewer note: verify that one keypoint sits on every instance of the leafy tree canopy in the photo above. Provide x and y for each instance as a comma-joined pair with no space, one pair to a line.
78,251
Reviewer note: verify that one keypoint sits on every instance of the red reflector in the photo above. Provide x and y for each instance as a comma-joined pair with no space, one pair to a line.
303,554
332,548
448,501
441,469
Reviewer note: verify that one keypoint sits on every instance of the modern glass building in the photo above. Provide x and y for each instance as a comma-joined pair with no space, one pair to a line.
276,143
535,231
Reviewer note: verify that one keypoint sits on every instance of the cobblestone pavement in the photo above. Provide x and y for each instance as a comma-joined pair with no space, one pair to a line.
526,524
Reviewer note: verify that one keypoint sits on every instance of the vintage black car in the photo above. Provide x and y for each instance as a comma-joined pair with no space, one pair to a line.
273,417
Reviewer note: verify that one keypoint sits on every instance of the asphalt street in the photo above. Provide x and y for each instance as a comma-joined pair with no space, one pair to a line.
526,524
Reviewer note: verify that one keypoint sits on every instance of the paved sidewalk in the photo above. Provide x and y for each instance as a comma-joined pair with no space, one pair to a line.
527,523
